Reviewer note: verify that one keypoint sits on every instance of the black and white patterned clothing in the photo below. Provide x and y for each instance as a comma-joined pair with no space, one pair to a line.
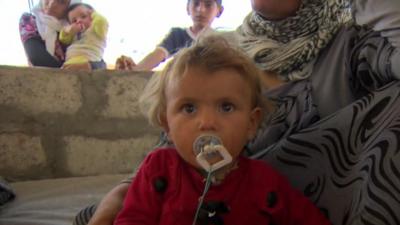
336,134
290,46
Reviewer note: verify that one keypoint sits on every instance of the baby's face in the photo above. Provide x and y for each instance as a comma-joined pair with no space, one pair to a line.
81,15
217,103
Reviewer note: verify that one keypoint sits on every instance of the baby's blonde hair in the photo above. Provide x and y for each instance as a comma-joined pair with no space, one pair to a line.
212,54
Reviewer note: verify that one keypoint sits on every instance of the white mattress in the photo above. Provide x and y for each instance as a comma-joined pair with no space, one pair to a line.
55,201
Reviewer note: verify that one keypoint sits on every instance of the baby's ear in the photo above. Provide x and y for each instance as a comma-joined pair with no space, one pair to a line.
255,120
187,9
221,10
164,123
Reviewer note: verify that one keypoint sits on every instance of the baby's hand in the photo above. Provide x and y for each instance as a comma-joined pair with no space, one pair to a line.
74,28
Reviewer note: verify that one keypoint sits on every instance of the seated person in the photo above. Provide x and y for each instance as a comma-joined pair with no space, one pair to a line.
86,36
39,34
208,100
202,13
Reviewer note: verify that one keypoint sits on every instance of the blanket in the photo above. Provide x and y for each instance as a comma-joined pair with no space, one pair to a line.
6,193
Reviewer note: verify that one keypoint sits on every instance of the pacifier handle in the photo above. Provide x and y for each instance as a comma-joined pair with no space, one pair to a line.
207,145
202,161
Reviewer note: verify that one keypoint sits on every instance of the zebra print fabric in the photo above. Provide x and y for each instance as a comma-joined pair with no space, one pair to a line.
6,193
348,163
83,217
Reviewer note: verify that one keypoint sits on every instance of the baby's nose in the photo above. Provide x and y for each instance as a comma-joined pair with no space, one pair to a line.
201,7
207,121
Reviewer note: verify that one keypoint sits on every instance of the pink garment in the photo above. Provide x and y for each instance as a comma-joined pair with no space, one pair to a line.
28,29
254,194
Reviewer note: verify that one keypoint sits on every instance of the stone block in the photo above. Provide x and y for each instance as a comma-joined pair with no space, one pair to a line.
21,155
90,156
41,92
123,93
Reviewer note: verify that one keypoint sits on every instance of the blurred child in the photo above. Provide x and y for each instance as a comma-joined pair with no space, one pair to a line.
85,35
202,13
208,100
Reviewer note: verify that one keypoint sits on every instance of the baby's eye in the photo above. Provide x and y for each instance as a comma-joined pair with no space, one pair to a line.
209,4
227,107
188,108
196,2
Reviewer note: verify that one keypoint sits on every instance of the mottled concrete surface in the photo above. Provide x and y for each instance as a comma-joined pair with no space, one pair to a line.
57,123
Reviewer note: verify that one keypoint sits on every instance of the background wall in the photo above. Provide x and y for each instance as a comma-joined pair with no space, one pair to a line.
56,123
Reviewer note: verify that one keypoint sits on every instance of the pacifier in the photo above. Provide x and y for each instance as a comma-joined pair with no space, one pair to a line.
209,148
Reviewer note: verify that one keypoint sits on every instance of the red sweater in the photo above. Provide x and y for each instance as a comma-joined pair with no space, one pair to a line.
166,191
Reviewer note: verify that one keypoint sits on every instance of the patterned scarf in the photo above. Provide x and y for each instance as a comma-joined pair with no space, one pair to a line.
290,46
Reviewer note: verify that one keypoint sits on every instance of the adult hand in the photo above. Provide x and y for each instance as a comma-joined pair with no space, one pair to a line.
124,63
80,67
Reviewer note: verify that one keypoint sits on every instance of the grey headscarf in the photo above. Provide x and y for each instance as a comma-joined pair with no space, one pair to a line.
290,46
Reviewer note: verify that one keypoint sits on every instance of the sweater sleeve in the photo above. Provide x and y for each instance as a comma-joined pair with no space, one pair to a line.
38,55
65,38
100,25
299,209
282,202
374,61
142,204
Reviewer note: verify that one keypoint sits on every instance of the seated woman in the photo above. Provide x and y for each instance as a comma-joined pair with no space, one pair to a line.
39,35
335,133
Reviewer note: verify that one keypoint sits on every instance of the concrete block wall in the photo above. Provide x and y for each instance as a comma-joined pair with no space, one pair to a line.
57,123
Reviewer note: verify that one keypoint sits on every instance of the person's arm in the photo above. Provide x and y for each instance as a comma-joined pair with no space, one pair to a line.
374,61
109,206
151,61
100,25
67,34
296,207
38,55
143,202
172,42
175,40
382,15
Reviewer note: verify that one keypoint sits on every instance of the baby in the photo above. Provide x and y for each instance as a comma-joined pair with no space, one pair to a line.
208,101
86,36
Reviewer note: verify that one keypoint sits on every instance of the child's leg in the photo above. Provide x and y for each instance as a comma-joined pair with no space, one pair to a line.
83,216
76,60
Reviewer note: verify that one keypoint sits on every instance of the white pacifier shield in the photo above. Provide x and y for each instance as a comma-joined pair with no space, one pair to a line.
208,146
